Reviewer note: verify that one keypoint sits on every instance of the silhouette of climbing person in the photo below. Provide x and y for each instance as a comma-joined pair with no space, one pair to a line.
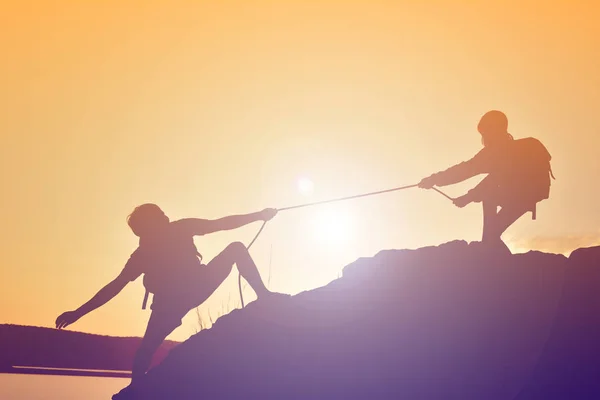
174,273
518,177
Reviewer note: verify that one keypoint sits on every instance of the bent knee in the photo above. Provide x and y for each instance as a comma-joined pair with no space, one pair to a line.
237,248
231,254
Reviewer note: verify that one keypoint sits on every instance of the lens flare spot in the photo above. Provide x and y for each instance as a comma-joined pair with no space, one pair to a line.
305,186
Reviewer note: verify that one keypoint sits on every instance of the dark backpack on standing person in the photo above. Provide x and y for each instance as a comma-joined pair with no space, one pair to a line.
530,161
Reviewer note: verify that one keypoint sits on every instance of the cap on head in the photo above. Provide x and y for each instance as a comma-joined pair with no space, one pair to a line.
493,122
146,218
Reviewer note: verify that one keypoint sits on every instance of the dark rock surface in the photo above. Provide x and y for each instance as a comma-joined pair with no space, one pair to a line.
446,322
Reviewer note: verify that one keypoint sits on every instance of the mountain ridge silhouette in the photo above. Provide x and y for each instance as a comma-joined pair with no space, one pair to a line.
442,322
34,346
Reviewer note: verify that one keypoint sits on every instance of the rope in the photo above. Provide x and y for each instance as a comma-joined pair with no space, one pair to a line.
316,203
248,247
346,198
443,194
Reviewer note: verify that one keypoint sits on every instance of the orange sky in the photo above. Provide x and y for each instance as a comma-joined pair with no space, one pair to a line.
213,108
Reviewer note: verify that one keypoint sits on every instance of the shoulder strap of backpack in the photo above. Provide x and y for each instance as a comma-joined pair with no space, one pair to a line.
145,299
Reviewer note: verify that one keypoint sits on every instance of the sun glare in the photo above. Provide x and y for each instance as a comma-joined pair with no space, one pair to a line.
305,186
333,225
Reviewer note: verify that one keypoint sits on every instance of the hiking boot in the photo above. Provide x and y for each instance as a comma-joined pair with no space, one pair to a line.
273,296
269,300
127,393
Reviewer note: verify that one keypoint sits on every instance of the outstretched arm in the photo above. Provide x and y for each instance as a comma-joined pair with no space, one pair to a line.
459,172
102,297
478,193
205,226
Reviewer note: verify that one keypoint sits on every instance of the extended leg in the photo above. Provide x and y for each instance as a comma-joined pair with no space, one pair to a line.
506,217
490,214
495,223
157,330
236,253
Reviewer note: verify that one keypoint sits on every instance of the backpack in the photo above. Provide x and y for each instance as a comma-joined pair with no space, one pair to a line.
531,171
168,264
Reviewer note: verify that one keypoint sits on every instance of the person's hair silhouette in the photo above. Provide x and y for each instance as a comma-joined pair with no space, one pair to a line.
518,176
168,259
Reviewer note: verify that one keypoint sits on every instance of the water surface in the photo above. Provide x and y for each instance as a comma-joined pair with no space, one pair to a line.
52,387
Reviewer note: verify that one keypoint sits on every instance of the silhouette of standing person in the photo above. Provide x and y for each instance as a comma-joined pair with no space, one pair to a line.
518,177
173,272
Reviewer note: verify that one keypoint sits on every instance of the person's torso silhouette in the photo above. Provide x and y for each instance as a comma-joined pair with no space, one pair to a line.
167,259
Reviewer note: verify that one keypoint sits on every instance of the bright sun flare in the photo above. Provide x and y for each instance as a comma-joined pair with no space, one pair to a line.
333,225
305,186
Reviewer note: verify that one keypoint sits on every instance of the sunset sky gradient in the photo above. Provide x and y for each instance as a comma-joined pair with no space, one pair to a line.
211,108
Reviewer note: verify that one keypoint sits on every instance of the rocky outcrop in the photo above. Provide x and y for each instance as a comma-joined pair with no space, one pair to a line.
446,322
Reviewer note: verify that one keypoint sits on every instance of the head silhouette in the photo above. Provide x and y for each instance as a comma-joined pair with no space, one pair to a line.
147,219
493,128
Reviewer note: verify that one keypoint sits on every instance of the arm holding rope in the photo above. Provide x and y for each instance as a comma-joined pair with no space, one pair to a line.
477,194
459,172
205,226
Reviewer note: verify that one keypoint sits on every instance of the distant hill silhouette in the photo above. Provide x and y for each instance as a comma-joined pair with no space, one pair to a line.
447,322
45,347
